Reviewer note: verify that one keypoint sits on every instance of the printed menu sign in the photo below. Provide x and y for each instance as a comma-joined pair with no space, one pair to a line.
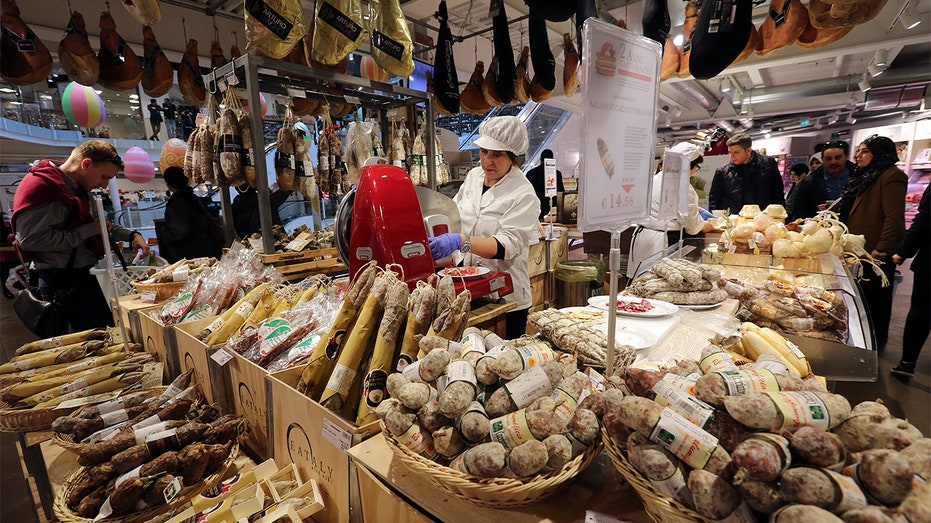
673,196
620,89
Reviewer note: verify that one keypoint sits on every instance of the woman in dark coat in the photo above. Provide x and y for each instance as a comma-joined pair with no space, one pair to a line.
186,233
917,326
873,204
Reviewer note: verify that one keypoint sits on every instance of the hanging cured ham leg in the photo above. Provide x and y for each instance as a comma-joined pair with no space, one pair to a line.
656,20
670,63
786,21
77,57
691,18
120,68
584,9
712,52
570,67
157,73
753,45
489,87
522,83
544,63
190,80
446,80
216,55
505,72
813,38
26,60
472,99
146,12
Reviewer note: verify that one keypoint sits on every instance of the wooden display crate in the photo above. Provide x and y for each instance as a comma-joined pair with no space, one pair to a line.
159,340
536,259
538,289
315,439
245,395
195,354
559,250
295,266
130,307
379,503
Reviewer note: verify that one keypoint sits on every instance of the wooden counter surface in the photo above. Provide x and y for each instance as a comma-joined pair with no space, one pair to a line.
609,496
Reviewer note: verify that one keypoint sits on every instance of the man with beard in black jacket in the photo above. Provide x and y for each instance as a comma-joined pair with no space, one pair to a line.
749,178
825,184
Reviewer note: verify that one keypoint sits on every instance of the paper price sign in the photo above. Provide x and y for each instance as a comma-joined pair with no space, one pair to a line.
673,199
549,176
620,89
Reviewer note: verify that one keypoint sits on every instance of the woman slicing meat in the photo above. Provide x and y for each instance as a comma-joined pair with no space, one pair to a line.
498,210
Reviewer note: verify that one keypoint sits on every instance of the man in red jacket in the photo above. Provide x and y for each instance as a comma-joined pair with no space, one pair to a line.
55,228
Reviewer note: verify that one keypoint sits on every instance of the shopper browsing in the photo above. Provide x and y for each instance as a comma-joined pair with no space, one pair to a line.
873,204
814,161
749,178
824,185
186,233
169,111
498,210
796,174
917,325
54,225
155,118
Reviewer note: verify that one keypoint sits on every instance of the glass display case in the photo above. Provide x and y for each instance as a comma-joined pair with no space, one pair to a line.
851,356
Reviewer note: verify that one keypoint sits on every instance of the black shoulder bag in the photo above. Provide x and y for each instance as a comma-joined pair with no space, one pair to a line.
43,318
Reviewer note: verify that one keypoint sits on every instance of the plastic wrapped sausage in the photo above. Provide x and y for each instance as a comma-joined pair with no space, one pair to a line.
788,410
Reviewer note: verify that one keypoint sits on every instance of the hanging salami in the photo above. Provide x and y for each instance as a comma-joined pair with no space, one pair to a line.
120,68
157,73
338,30
392,46
721,33
77,57
248,151
446,80
229,146
273,27
284,157
544,63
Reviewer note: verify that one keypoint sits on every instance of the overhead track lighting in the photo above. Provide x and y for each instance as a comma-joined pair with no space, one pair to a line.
875,70
850,119
864,83
879,58
906,17
726,85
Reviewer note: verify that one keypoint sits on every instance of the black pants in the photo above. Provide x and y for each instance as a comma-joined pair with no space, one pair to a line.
878,300
917,324
86,307
516,323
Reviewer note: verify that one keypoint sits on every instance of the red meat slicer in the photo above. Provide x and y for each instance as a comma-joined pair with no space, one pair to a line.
386,219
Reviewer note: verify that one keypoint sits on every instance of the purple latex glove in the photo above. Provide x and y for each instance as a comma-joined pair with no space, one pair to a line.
445,244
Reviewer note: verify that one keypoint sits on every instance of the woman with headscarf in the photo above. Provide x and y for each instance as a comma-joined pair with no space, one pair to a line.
814,162
873,204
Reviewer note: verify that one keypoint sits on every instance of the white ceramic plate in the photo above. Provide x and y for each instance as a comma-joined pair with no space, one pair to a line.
627,335
454,272
660,308
701,307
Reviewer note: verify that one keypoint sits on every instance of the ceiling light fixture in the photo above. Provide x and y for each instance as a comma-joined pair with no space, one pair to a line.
726,85
864,83
818,124
677,112
874,70
906,17
768,136
880,57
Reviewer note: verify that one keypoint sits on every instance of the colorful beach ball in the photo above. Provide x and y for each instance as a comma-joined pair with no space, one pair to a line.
245,104
371,71
137,165
172,154
302,128
82,105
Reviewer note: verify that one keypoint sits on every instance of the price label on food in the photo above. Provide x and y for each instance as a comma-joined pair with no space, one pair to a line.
620,88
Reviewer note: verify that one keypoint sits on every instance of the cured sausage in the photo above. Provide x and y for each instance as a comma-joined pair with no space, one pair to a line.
544,64
446,81
146,12
157,73
26,60
720,34
190,80
77,57
120,68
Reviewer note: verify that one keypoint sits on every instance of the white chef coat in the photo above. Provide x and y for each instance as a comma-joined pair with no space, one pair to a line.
652,238
507,211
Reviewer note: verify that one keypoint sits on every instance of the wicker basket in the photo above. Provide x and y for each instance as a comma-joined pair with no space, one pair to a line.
66,515
28,420
661,508
163,291
492,492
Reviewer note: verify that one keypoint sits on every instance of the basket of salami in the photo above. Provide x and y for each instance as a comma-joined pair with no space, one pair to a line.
49,378
130,482
660,507
488,459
